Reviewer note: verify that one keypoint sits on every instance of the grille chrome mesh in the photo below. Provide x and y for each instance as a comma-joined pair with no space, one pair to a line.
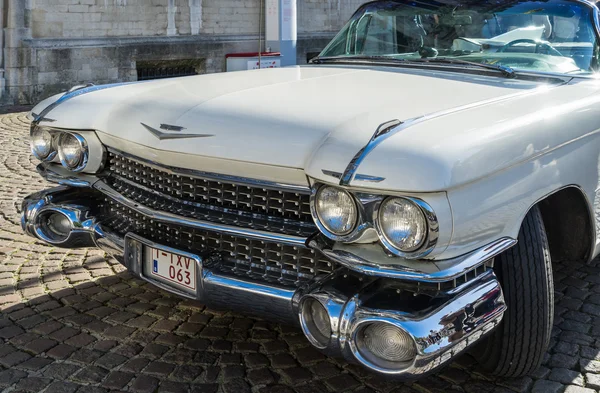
221,200
255,259
209,199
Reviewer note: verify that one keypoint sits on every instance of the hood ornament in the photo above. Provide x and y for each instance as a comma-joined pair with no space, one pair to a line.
170,127
167,135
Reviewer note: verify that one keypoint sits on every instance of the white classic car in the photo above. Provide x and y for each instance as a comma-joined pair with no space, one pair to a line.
401,198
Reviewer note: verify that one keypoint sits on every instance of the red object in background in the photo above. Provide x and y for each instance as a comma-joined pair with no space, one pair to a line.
252,54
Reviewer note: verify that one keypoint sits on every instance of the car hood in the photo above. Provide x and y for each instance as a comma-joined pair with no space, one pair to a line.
310,118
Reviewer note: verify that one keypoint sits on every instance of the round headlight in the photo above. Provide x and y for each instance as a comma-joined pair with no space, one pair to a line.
315,322
336,210
41,144
72,151
402,224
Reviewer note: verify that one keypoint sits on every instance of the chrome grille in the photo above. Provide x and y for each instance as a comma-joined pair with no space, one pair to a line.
205,197
260,260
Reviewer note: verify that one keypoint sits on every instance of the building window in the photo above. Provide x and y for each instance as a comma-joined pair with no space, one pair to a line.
147,70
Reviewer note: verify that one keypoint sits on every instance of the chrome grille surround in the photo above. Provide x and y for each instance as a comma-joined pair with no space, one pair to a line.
218,199
211,197
256,259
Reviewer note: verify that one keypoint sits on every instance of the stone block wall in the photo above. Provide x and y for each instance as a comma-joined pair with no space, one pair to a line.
119,18
51,45
122,18
325,15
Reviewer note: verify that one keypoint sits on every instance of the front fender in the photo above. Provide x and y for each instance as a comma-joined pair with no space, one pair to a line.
495,206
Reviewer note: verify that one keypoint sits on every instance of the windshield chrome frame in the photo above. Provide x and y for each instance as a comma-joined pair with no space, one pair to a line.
566,77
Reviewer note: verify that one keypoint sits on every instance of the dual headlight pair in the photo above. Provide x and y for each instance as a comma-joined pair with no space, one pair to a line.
71,148
402,224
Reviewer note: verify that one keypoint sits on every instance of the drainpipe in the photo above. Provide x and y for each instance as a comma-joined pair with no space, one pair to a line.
281,24
3,5
171,12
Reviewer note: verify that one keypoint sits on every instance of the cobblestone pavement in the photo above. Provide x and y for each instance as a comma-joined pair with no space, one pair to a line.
74,320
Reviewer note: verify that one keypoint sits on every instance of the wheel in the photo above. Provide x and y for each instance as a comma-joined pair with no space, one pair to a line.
518,345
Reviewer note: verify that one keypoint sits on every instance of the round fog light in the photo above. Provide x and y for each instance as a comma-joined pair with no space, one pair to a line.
382,341
72,151
315,323
55,227
59,224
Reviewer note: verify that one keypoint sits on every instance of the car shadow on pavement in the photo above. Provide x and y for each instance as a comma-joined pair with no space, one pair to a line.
76,320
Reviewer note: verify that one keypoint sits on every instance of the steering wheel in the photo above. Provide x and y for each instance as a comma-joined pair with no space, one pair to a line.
538,45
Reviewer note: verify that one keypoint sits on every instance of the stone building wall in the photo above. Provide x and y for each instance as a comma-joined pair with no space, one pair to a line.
325,15
51,45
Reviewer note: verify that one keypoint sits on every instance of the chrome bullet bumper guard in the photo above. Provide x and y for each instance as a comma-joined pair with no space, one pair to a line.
441,323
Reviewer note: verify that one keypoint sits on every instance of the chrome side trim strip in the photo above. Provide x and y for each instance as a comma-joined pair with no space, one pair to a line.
443,271
383,129
393,127
215,176
72,94
169,218
79,87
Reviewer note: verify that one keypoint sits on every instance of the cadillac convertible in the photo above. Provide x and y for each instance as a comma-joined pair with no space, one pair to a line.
401,199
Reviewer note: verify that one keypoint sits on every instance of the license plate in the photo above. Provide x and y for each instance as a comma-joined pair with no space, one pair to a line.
171,268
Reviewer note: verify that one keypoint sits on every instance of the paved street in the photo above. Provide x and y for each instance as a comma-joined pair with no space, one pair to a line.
73,320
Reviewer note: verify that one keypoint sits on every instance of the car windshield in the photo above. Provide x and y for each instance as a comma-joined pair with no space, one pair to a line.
550,36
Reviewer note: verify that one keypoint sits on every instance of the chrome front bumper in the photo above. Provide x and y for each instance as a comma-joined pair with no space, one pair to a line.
353,298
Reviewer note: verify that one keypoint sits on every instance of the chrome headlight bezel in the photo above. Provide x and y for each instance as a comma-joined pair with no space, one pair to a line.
94,152
53,152
351,235
83,151
431,233
368,227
